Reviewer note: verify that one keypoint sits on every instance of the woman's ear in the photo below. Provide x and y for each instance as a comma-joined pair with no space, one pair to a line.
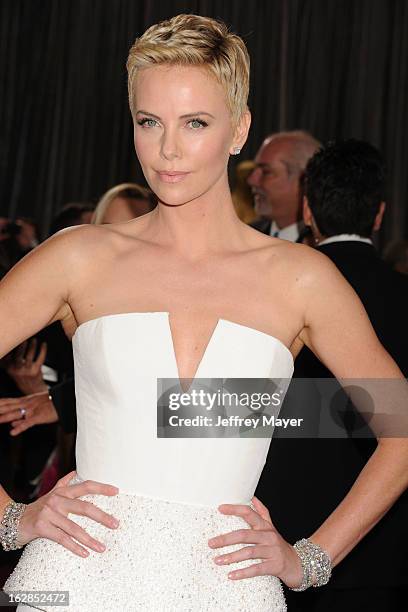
241,131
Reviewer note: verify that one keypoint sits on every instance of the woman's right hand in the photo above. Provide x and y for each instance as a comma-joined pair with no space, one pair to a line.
47,516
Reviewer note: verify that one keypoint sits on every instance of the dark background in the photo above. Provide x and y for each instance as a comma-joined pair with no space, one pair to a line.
333,67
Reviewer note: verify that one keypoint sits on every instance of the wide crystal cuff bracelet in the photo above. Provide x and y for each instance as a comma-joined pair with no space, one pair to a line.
316,564
9,525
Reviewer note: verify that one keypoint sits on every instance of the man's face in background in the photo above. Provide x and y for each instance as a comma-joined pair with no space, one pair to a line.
275,183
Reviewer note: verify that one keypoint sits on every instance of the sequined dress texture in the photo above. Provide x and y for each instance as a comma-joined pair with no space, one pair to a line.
158,559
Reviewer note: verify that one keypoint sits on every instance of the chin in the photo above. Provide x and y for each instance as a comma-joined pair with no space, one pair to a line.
172,200
176,197
263,211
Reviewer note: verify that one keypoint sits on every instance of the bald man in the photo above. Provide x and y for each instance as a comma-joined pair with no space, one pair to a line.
275,183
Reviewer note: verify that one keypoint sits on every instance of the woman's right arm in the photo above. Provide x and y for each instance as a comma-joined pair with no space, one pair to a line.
33,294
36,291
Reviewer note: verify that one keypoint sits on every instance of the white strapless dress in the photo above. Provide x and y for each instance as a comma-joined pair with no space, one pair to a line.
158,559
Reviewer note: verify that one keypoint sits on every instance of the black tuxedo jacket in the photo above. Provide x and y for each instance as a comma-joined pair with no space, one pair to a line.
304,480
263,224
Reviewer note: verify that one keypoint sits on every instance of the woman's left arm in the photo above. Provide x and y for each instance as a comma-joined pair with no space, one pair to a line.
337,329
339,332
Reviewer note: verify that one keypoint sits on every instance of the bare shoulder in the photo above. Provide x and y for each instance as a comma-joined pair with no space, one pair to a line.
86,250
296,265
320,280
336,326
81,248
311,262
296,278
66,243
307,266
55,254
84,244
43,286
314,280
78,240
35,292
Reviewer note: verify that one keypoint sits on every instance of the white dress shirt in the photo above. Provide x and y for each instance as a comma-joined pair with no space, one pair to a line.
345,238
290,232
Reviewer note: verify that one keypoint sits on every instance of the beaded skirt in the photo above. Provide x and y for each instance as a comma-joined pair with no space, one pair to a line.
158,559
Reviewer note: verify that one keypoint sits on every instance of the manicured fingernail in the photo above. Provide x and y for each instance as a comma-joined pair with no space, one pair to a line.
115,522
100,547
219,561
84,553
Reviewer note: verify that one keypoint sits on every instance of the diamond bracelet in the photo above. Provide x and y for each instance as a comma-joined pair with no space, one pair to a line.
9,525
316,564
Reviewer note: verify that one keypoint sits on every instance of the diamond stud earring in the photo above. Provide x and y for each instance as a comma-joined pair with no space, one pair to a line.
236,151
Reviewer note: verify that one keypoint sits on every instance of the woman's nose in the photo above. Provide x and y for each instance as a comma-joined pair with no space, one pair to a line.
170,147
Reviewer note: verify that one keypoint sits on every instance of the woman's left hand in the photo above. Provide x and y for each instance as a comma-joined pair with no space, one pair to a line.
278,557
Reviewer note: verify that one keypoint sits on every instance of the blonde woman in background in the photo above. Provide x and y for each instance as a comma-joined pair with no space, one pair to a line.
122,203
242,197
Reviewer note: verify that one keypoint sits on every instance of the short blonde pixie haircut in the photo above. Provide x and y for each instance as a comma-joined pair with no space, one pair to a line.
193,40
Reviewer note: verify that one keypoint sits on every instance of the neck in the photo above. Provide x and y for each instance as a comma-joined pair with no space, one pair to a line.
198,227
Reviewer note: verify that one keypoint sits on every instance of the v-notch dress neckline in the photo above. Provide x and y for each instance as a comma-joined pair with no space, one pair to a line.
200,362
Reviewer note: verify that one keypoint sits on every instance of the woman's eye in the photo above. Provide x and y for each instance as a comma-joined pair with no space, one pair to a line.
197,123
147,122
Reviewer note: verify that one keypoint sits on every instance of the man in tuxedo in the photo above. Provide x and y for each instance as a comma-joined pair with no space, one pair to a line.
275,184
304,480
